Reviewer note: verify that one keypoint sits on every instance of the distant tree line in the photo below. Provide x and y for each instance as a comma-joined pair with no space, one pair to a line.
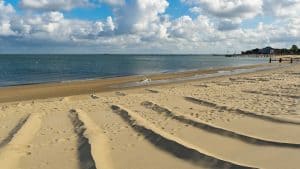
294,50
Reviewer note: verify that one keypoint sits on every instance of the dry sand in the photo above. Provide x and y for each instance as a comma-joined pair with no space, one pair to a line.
249,120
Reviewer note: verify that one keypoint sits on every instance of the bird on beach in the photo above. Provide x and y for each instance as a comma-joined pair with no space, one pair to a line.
94,96
146,81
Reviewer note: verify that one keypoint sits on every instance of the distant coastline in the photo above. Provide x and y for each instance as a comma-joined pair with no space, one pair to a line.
294,50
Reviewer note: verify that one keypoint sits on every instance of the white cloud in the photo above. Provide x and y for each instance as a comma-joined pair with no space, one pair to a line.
194,30
234,9
52,26
6,8
20,27
280,8
110,23
53,16
139,15
228,13
113,2
6,13
227,25
54,4
5,29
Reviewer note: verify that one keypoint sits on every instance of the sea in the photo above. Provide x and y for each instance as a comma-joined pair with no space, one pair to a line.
24,69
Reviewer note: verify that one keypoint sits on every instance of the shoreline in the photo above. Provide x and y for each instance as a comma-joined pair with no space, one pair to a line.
191,71
90,86
72,67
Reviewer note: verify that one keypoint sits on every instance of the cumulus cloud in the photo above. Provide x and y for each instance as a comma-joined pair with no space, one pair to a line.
54,4
229,13
198,29
227,25
5,8
5,29
113,2
6,13
53,16
142,17
234,9
54,27
288,8
139,15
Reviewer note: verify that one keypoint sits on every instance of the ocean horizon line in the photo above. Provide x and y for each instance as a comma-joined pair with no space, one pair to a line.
148,54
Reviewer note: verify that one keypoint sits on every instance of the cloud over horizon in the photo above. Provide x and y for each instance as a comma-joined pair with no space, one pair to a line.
147,26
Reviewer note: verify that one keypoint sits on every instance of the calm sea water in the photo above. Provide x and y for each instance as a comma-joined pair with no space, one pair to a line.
28,69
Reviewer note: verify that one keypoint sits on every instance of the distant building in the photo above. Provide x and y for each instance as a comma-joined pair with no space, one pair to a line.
266,51
269,51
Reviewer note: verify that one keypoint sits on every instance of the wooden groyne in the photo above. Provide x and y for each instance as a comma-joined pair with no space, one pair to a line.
284,59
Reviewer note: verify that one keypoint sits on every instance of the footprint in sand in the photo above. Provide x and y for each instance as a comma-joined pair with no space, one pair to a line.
152,91
4,108
202,85
66,99
120,94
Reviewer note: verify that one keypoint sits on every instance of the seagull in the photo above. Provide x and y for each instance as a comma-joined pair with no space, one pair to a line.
146,81
94,96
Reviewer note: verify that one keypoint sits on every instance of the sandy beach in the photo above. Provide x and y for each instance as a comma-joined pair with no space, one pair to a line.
248,120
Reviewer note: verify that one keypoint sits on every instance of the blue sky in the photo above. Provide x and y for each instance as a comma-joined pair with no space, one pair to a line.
146,26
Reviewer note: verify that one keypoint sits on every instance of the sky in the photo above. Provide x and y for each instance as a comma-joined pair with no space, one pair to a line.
147,26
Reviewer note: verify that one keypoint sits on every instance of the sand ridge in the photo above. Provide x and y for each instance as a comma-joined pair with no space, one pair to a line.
215,129
95,136
15,149
136,121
